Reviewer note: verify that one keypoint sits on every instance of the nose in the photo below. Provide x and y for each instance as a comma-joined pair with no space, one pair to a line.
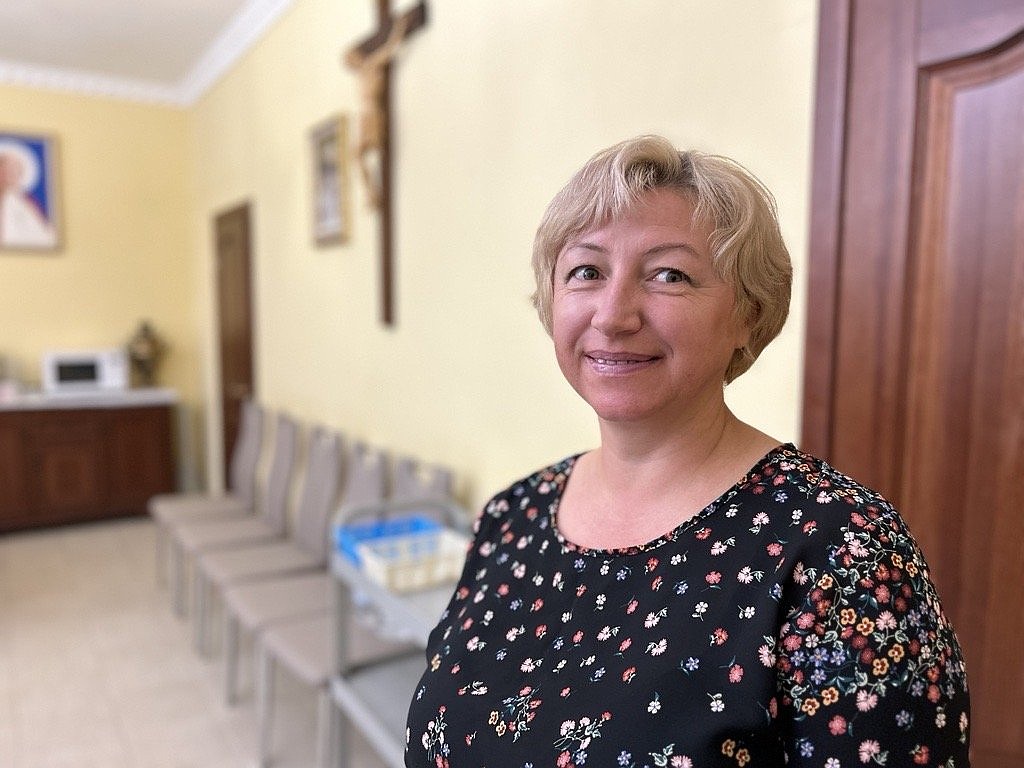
617,308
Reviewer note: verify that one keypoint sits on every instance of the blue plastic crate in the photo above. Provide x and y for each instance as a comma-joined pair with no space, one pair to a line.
349,536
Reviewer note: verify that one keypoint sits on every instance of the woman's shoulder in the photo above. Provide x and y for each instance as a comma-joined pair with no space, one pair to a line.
813,475
528,496
855,523
545,482
826,501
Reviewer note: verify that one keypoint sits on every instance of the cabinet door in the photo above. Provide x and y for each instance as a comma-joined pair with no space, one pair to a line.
140,456
67,466
72,472
15,500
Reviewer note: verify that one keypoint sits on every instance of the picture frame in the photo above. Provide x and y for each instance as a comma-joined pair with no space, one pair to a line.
29,201
331,203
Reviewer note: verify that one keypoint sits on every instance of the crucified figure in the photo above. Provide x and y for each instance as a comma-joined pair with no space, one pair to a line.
370,67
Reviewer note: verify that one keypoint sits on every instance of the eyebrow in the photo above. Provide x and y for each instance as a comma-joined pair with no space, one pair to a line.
652,251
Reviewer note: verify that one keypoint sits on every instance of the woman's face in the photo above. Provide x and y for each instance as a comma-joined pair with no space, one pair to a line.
643,326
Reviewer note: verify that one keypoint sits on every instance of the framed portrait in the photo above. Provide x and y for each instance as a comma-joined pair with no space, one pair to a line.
29,210
329,150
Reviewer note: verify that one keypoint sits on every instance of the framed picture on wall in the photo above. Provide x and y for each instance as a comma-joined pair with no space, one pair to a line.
29,211
329,149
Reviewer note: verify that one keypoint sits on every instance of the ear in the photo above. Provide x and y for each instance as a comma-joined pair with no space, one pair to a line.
743,324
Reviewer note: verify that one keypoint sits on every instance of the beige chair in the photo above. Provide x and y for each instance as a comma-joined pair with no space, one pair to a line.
188,539
167,509
411,479
307,647
304,550
255,605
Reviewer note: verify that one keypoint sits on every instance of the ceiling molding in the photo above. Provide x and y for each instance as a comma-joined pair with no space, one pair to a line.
241,33
87,83
244,30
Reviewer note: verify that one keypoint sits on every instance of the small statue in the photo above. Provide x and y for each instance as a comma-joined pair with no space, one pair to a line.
144,351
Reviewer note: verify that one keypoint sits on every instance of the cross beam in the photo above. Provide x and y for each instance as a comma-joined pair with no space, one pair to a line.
376,120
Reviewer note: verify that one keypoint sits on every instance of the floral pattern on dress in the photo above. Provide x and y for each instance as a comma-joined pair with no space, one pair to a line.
793,621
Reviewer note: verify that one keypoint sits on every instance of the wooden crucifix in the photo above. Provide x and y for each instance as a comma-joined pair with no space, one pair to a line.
371,59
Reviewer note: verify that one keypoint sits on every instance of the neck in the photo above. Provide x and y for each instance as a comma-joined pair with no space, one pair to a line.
690,436
643,481
629,455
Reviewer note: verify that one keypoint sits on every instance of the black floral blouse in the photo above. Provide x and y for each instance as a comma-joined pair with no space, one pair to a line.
792,622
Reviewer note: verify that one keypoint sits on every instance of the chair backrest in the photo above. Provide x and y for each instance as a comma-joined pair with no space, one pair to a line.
319,491
245,455
273,505
415,489
365,480
411,480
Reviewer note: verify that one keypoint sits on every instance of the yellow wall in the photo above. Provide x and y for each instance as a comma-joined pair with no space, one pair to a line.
126,196
495,106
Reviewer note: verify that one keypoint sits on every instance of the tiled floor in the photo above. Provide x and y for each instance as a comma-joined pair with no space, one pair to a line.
97,672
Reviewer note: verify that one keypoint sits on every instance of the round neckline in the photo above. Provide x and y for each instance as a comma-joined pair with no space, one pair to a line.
672,535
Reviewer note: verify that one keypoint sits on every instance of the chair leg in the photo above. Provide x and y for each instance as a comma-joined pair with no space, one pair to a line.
161,555
326,732
265,704
178,579
200,611
344,733
231,650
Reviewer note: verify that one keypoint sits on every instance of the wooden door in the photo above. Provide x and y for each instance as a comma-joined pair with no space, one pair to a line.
235,311
914,377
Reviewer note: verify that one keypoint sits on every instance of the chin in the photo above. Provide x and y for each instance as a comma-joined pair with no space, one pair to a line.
622,412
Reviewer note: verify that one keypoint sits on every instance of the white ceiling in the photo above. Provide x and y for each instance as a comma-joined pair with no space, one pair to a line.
166,51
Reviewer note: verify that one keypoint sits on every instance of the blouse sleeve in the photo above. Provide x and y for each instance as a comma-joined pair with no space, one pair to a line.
869,670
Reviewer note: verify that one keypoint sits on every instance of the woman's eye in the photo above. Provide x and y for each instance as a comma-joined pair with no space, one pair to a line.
585,272
669,275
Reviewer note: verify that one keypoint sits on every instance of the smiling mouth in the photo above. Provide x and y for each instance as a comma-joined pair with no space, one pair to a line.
619,361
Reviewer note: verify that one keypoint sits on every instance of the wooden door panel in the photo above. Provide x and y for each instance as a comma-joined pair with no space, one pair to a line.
235,312
915,350
142,466
15,498
73,475
966,353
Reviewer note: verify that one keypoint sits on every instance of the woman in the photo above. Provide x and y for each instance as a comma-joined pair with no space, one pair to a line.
692,592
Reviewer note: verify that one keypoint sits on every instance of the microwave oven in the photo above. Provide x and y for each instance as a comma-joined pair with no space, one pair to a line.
85,370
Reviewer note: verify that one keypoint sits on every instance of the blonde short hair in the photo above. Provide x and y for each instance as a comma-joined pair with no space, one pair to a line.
747,249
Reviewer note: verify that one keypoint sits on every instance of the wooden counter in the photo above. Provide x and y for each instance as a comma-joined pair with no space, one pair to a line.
74,458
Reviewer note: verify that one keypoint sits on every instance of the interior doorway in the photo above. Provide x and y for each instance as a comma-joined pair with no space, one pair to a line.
235,313
915,350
